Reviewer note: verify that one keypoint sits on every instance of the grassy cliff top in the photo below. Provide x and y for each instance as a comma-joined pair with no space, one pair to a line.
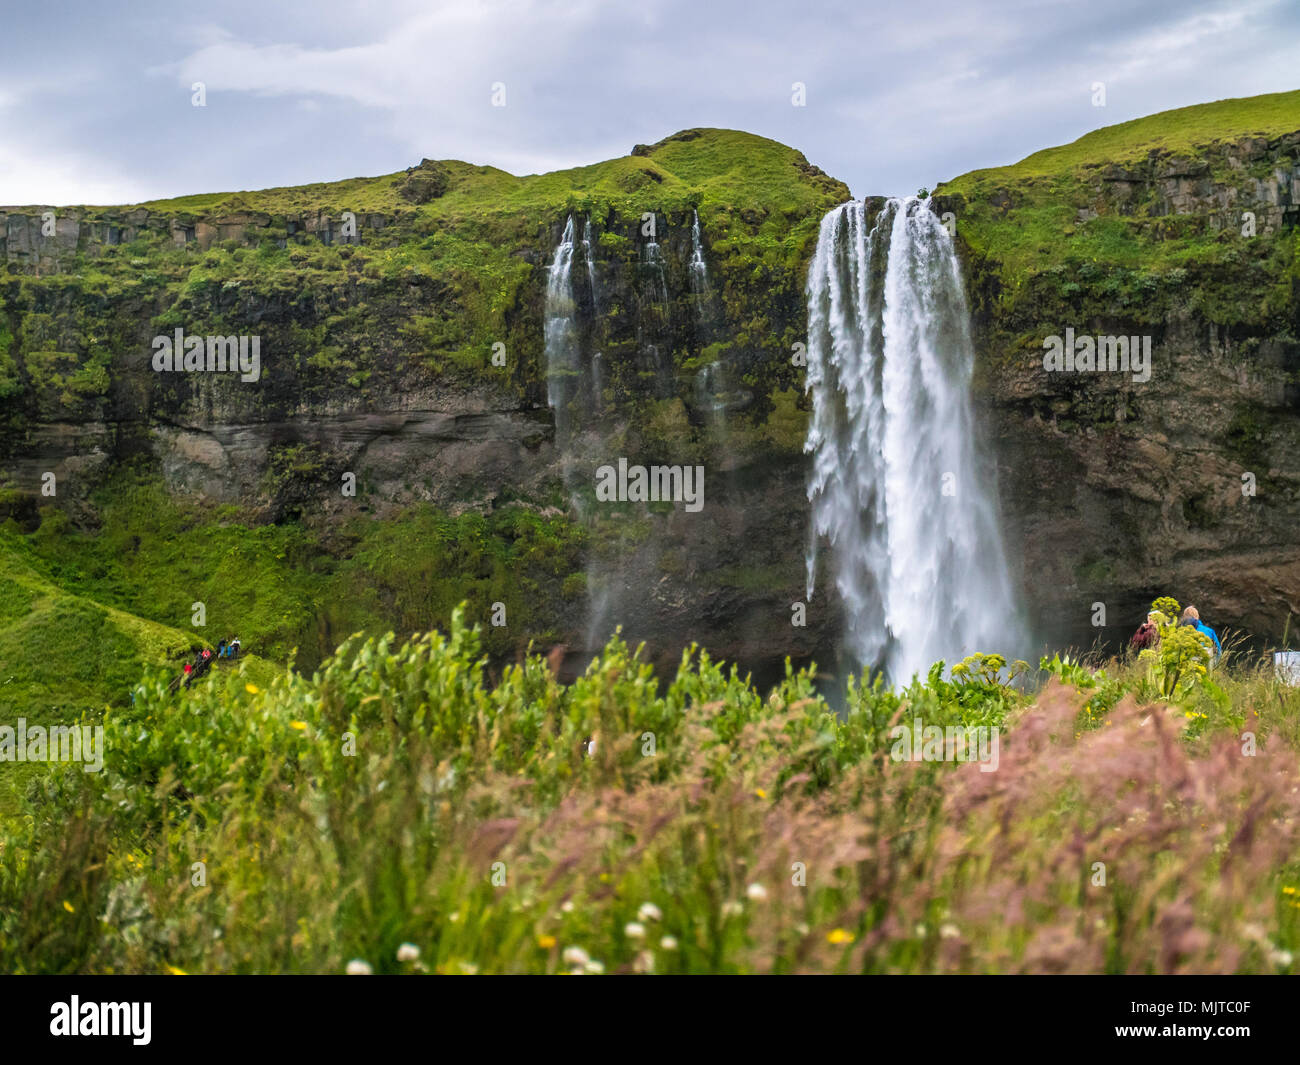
1181,131
687,169
446,262
1115,207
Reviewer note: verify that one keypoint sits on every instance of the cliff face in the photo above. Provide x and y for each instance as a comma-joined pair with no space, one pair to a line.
400,326
1188,483
402,343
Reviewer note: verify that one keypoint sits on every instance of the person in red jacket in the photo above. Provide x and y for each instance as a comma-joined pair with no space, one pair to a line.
1147,635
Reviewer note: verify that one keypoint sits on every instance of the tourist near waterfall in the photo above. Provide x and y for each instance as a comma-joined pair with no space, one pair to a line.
227,649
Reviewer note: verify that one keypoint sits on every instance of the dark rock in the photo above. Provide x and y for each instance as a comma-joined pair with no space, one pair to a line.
423,183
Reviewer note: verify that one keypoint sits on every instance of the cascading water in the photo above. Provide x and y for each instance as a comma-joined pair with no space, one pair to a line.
699,270
561,335
654,262
588,247
895,487
713,393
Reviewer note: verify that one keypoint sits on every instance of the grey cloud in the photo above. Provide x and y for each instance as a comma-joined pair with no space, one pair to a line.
94,98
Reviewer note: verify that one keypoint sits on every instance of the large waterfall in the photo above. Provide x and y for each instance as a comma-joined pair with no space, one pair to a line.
895,487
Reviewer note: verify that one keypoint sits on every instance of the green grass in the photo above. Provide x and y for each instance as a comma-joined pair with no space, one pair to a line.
688,167
294,589
1182,131
426,296
399,795
1047,241
63,655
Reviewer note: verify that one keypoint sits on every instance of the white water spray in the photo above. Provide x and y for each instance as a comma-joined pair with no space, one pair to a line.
561,334
895,487
699,269
588,249
654,262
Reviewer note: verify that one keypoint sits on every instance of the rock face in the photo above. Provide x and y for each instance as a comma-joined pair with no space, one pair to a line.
1188,484
379,333
1254,174
45,242
378,329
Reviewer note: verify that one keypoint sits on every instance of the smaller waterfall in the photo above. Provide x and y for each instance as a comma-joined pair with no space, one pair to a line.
561,335
699,270
588,245
654,262
717,393
709,388
654,360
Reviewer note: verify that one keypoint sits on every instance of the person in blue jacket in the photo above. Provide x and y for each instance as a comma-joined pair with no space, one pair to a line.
1193,615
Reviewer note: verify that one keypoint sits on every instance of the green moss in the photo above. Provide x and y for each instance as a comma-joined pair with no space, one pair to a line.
288,586
1093,573
1181,130
1025,220
1248,437
63,654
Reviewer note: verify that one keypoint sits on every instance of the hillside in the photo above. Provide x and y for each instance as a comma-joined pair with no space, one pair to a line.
1182,130
63,656
377,360
451,249
1178,180
1180,227
400,811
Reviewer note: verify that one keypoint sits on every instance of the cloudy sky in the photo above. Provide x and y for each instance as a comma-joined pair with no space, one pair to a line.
96,96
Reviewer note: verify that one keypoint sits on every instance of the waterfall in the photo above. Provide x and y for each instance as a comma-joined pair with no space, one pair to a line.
574,386
895,488
654,262
713,387
588,247
561,335
710,389
699,270
564,386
